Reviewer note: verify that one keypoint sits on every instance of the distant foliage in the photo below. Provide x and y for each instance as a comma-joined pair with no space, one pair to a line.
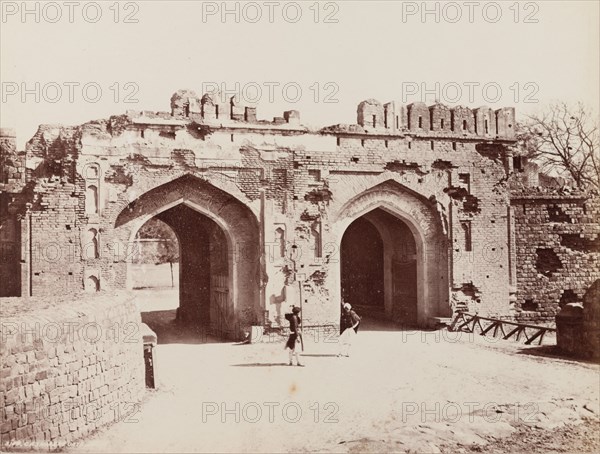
167,248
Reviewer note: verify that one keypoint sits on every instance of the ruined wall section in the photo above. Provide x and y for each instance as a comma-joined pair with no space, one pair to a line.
254,166
58,202
558,249
286,174
457,158
12,182
54,237
45,215
465,187
249,165
12,163
56,216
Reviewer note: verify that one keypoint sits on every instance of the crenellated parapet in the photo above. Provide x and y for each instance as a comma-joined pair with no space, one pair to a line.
373,118
418,118
216,107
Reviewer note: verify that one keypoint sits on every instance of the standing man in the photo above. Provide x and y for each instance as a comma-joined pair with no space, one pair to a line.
348,329
295,334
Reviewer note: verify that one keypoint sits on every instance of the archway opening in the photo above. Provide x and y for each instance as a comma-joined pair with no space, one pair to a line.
187,280
379,269
362,266
154,269
221,272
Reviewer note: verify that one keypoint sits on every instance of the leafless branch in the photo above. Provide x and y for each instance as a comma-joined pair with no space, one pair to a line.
564,141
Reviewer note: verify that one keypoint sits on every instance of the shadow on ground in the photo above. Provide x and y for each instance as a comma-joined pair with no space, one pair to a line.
553,351
170,331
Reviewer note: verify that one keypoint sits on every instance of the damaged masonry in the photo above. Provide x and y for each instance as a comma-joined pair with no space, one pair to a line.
420,207
414,215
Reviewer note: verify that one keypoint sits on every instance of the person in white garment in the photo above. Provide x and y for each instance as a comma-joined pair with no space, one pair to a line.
348,329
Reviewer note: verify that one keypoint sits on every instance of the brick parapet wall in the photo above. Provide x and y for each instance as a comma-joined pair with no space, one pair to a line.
68,367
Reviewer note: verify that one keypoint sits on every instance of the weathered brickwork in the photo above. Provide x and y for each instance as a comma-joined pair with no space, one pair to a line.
12,181
67,369
12,163
269,203
557,250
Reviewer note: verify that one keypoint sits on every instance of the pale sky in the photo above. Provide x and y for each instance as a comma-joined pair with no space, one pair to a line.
372,51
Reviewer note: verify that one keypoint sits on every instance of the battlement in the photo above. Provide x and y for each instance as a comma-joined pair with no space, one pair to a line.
373,117
213,107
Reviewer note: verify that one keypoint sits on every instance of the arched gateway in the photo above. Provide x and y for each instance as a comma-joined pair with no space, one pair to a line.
393,254
409,219
219,251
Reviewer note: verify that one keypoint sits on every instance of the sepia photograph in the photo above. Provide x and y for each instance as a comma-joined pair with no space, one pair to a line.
353,226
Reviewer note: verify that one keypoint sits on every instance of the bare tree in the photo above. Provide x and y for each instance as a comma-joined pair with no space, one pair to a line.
564,142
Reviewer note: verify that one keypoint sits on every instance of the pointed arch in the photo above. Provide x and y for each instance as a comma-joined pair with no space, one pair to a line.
417,212
240,230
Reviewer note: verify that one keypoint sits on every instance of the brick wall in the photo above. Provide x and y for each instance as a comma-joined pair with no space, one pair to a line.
12,181
68,367
56,246
557,250
294,183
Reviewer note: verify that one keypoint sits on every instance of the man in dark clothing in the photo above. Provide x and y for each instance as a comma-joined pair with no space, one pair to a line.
348,329
295,334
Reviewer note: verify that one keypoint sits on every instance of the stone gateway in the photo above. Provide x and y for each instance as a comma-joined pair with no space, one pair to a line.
415,211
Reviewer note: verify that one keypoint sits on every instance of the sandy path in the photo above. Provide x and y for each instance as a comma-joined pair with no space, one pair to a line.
399,391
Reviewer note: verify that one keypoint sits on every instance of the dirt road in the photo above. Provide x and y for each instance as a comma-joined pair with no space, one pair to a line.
401,391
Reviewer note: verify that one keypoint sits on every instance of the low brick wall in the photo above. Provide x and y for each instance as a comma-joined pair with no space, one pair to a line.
68,367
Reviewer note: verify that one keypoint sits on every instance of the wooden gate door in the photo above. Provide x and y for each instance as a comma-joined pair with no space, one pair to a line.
404,291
